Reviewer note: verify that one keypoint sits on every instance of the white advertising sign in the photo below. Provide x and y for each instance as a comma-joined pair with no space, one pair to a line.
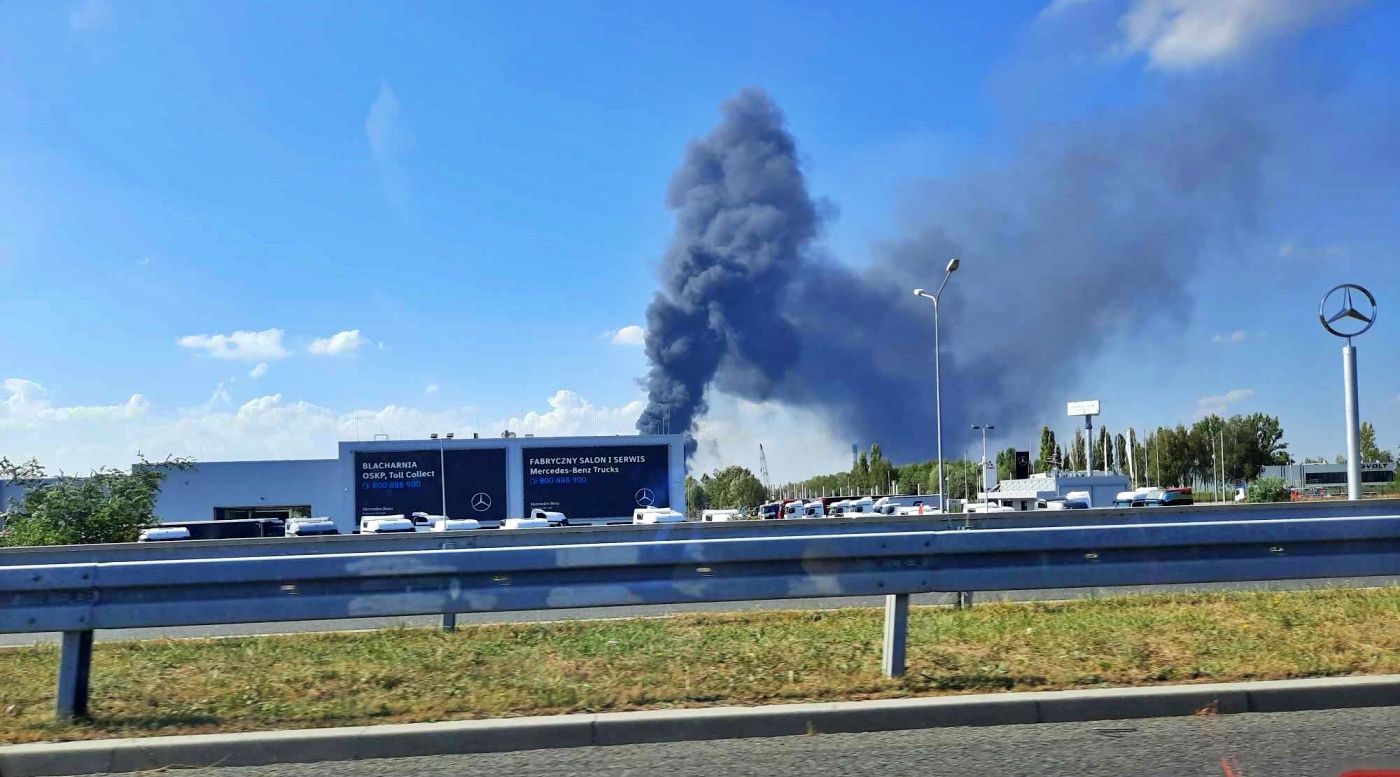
1089,407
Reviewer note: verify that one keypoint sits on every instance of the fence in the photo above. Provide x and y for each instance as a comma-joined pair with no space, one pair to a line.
77,598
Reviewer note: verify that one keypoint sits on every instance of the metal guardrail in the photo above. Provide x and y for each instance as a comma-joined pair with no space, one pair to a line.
499,538
77,598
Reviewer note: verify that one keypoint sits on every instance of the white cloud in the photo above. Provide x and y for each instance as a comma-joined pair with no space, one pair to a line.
81,438
798,443
258,371
629,335
265,345
431,389
385,126
1237,336
1183,34
1218,405
89,15
571,414
338,344
28,406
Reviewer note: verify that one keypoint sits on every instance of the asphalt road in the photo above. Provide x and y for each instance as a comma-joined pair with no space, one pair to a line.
1301,744
593,613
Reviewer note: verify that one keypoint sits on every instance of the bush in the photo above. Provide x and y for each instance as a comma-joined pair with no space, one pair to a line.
107,506
1268,490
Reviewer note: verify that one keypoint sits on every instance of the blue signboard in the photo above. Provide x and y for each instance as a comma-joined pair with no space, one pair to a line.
597,481
406,482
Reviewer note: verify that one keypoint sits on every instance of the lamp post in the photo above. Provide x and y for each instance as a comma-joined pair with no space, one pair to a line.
938,379
984,428
442,468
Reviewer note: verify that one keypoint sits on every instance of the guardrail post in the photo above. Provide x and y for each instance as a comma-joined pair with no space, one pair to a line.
74,669
896,634
449,622
964,601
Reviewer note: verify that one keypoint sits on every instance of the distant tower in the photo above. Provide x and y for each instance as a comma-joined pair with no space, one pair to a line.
763,469
855,456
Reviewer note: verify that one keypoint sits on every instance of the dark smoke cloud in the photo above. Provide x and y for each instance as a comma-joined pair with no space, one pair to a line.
1093,230
743,220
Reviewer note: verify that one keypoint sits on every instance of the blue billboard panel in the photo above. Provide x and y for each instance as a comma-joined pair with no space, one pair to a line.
608,481
407,482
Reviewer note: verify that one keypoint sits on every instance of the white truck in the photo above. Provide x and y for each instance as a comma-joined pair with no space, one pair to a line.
653,515
386,524
310,527
721,515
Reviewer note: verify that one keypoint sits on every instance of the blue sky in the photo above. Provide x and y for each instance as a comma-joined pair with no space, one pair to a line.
444,211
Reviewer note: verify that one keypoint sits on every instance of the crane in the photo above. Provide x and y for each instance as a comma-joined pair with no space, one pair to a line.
763,469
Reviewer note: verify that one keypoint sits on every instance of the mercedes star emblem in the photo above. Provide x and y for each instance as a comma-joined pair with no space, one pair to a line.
645,497
481,501
1345,320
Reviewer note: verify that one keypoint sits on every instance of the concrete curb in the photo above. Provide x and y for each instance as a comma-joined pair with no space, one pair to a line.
620,728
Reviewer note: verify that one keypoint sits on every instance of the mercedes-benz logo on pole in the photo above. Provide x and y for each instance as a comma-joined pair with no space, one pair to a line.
1340,315
645,497
481,501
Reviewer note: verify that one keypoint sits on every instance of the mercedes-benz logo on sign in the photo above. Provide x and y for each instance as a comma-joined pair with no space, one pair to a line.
645,497
1346,320
481,501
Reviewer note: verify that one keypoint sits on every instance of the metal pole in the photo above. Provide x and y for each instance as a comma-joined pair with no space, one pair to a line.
442,476
74,670
1089,445
982,486
896,634
938,410
1353,423
449,622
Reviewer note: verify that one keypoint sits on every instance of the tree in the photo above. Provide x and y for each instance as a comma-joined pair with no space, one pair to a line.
1369,450
1103,452
1006,464
1120,454
108,505
735,487
696,500
1047,450
882,475
1075,453
860,474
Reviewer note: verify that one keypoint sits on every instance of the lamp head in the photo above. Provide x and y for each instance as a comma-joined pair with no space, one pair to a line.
953,264
918,292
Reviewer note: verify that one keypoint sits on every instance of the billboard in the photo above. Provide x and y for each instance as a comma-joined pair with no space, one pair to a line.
407,482
608,481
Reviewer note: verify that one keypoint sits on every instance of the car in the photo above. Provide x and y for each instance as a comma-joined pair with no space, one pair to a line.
525,523
163,534
310,527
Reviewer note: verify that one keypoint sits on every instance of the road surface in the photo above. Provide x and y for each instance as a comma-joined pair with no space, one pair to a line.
180,632
1290,744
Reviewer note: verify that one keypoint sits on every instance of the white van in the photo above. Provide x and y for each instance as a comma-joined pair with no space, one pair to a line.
793,509
554,519
386,524
721,515
656,515
814,509
456,524
525,523
310,527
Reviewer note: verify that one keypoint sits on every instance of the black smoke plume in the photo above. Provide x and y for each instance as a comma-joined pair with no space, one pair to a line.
1094,230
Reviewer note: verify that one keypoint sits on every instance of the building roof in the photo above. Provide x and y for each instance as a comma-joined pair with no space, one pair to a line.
1029,488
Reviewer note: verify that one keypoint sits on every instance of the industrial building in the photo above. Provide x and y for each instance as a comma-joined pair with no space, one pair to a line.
1024,493
589,479
1331,476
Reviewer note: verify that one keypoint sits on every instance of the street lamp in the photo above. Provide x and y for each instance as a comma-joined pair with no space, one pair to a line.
985,428
442,467
938,380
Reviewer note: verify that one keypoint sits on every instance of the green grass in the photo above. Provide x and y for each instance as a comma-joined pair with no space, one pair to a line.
312,680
